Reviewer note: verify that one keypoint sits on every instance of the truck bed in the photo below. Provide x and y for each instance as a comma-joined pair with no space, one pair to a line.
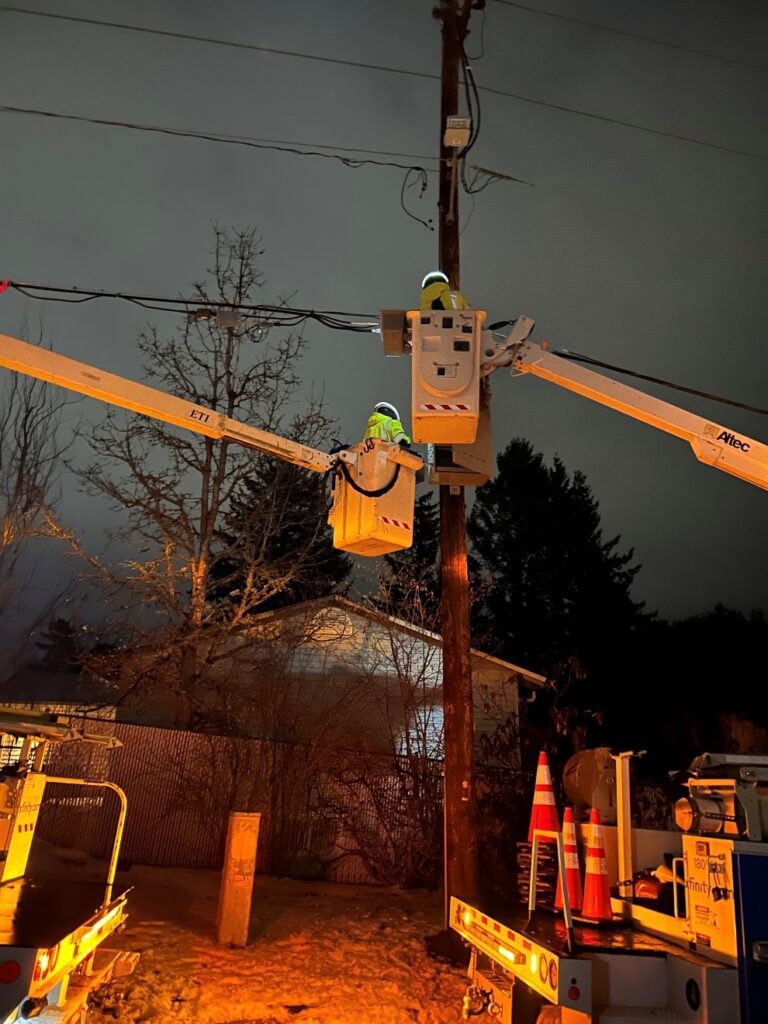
548,930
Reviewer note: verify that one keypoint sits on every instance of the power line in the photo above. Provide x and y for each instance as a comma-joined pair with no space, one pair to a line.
631,35
215,41
291,316
520,97
275,145
577,357
278,316
235,44
625,124
209,136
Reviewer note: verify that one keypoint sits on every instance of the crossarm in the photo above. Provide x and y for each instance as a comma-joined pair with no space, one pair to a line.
127,394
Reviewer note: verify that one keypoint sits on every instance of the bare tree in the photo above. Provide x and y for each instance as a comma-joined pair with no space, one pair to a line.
175,489
31,452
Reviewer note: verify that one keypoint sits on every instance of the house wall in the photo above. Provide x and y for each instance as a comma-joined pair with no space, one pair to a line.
330,671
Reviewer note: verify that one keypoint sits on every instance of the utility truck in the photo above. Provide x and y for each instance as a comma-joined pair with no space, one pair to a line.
52,931
688,942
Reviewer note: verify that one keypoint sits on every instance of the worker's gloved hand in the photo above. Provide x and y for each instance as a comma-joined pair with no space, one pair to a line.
405,444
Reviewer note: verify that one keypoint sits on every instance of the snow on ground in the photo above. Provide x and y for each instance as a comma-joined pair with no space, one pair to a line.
319,953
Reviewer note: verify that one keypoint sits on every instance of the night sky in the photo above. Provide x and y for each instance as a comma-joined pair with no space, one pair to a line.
633,247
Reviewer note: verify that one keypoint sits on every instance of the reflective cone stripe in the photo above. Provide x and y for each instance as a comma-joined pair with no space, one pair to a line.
544,811
597,896
572,870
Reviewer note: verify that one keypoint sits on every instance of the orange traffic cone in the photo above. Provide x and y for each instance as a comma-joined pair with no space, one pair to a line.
544,812
597,896
572,872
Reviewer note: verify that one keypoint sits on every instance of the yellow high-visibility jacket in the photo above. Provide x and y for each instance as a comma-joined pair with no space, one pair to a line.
440,295
384,428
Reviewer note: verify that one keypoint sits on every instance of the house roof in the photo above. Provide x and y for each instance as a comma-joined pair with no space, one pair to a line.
34,686
532,679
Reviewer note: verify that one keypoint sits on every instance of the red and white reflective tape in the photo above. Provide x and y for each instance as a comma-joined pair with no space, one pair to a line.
543,795
596,863
430,407
571,858
394,522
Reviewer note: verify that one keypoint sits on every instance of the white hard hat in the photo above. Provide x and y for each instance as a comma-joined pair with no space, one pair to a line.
433,276
387,405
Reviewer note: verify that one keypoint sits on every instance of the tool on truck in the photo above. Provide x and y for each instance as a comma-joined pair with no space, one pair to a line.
693,948
373,482
52,931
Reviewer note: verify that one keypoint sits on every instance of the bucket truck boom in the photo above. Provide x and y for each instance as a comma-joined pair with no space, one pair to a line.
452,353
374,482
712,443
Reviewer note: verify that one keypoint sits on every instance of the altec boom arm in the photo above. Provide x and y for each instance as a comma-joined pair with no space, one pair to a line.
108,387
712,443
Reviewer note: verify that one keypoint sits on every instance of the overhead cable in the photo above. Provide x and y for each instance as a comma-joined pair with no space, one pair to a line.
579,358
276,315
632,35
387,69
277,145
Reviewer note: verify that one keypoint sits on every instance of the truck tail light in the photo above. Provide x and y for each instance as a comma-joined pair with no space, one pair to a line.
9,972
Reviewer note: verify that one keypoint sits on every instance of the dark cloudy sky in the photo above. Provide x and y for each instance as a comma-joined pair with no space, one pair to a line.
636,248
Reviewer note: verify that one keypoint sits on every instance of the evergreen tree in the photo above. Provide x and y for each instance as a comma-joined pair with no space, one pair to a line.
277,520
410,584
555,596
693,677
60,646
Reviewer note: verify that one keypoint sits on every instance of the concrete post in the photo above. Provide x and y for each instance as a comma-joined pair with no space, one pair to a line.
234,911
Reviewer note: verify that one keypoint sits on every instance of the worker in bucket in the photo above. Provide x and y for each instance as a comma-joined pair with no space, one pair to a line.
436,293
384,425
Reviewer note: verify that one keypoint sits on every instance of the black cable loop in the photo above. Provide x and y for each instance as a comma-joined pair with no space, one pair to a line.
380,492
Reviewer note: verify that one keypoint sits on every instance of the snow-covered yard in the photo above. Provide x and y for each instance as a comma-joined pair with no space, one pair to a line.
319,953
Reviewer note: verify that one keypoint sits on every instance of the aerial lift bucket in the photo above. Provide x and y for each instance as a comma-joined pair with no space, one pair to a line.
373,499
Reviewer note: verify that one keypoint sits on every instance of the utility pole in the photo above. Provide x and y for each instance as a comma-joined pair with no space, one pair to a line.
459,795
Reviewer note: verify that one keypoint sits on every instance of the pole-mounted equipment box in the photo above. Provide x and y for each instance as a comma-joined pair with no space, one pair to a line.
445,391
373,499
464,465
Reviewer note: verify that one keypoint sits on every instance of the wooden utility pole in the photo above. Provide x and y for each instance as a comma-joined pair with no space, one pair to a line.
459,797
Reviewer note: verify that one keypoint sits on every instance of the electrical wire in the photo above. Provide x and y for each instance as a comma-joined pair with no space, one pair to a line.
215,41
278,316
619,122
277,145
207,136
288,316
237,45
632,35
479,56
421,180
579,358
520,97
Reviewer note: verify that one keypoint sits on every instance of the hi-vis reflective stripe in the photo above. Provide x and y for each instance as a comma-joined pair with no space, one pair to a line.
543,795
442,407
595,864
571,858
394,522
